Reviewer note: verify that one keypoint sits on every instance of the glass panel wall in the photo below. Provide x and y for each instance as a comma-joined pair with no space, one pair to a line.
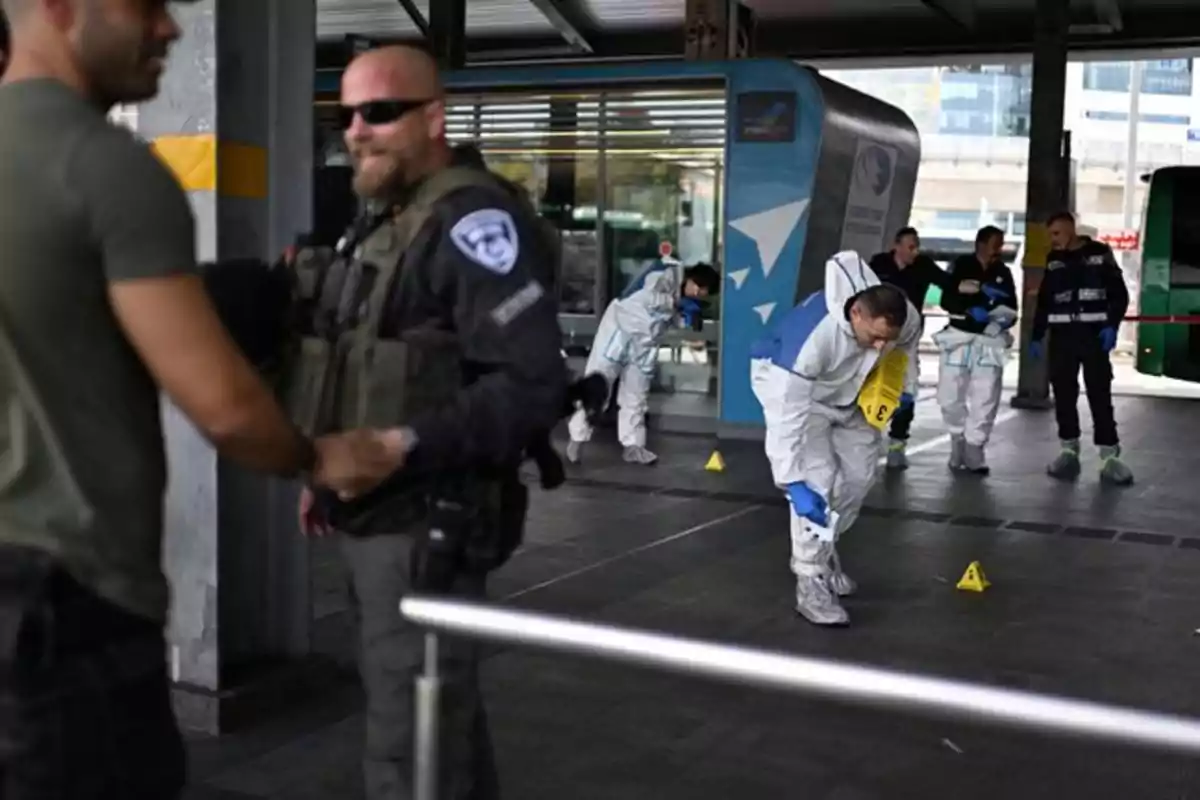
625,174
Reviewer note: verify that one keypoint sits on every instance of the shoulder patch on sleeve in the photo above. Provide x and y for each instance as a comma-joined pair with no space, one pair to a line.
489,238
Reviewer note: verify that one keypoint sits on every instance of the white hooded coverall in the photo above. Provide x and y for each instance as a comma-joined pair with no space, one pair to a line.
807,375
626,347
971,376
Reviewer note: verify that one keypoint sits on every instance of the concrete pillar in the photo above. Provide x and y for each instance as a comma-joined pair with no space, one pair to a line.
448,33
1047,189
718,30
234,120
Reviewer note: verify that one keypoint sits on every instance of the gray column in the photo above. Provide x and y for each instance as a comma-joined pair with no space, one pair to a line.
1047,189
235,121
448,33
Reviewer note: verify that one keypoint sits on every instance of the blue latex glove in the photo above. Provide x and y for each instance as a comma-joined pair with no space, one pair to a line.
906,401
1036,351
690,309
807,503
978,313
994,292
1108,339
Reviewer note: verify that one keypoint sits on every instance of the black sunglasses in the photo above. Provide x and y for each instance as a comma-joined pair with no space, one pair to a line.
378,112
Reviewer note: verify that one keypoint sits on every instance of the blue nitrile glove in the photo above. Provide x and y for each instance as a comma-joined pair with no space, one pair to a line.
690,308
994,292
906,401
1108,339
1036,351
978,313
807,503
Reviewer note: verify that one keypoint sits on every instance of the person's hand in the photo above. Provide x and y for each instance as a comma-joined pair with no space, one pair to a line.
906,401
808,504
1036,351
1108,339
355,462
312,516
690,309
978,313
968,287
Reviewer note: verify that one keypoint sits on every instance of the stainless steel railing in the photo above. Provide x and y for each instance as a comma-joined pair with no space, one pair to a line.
848,683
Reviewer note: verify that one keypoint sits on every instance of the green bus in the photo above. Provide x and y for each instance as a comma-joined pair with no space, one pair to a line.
1169,336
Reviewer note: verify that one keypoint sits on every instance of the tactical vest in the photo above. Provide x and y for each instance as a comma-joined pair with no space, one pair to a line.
341,374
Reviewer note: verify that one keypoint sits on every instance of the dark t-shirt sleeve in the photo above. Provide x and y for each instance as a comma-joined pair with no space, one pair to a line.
134,206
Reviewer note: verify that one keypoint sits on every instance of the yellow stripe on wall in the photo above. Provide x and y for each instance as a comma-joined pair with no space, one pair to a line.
1037,245
202,164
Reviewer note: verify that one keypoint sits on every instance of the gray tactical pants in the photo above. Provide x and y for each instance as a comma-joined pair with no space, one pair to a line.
391,652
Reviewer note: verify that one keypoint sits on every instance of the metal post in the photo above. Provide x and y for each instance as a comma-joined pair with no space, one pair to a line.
1129,259
425,773
1045,192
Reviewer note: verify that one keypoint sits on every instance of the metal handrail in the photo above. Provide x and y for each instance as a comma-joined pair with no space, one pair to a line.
867,686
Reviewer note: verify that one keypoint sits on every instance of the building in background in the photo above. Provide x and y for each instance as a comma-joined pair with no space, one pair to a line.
974,124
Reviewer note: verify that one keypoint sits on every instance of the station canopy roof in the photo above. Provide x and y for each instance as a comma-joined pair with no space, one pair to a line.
812,30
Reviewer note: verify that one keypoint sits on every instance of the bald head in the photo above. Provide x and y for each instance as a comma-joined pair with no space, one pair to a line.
394,114
398,70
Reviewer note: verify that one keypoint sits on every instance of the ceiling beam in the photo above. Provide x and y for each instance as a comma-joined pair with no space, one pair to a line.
809,41
567,18
960,12
417,18
1109,13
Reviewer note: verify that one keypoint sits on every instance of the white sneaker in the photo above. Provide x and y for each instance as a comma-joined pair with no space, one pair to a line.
817,603
639,455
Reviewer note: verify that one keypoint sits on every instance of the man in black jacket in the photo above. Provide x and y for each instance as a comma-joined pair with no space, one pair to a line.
1082,299
906,268
982,306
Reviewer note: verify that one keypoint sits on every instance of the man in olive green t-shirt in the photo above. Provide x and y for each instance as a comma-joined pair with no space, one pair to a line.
100,309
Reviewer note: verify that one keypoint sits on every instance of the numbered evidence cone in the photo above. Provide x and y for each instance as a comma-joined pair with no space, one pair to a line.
973,580
881,391
716,463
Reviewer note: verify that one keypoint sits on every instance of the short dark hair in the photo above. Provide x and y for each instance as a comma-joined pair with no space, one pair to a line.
1061,216
704,276
986,234
908,231
884,300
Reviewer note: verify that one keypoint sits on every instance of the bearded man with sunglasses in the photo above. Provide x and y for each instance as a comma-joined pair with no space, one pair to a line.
442,327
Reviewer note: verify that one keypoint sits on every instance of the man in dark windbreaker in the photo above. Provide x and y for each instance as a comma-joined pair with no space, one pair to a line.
1081,302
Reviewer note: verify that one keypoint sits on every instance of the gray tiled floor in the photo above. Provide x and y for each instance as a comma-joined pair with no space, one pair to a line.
1079,606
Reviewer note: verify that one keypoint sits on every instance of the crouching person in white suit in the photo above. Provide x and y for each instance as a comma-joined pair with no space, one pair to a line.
626,345
829,378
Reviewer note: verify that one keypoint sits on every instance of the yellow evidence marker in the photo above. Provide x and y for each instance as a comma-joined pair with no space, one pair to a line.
880,394
973,580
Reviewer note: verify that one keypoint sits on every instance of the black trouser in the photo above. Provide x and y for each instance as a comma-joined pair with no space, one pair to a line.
391,657
85,706
1072,348
902,421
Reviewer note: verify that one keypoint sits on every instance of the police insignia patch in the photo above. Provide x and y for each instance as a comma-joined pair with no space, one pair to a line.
489,238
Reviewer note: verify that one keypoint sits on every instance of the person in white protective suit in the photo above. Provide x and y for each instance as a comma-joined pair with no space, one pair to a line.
829,377
626,347
982,306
